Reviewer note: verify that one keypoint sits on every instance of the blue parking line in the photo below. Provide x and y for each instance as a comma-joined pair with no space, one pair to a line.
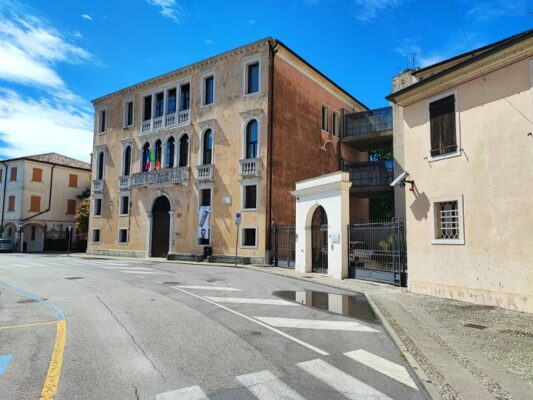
59,314
4,361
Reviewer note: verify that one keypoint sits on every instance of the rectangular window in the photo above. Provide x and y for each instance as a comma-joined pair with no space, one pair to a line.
128,113
159,105
97,210
101,121
147,109
185,97
123,236
96,235
11,203
335,123
447,220
71,207
37,175
250,197
1,175
73,180
124,205
209,90
171,101
13,176
32,238
35,203
442,126
252,78
249,237
325,117
205,197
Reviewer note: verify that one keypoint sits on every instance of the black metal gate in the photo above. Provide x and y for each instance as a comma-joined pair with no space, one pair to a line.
377,251
319,241
284,246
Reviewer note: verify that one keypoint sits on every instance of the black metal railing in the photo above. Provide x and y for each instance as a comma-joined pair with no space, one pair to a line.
284,246
370,173
364,122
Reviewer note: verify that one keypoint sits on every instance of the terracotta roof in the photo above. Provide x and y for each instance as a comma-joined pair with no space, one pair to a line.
57,159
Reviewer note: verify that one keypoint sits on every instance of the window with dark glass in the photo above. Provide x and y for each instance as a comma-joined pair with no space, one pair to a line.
207,147
129,114
171,107
248,237
96,235
253,78
124,205
33,231
146,157
325,117
335,123
185,97
97,212
209,90
123,236
159,105
442,126
205,197
251,139
184,150
158,150
127,161
170,151
250,197
101,121
100,166
147,111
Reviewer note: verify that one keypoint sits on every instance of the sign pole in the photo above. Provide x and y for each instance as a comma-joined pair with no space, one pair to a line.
237,223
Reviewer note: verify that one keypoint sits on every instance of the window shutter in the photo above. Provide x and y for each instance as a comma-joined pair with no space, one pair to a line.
35,203
13,174
442,126
71,207
73,180
11,205
37,175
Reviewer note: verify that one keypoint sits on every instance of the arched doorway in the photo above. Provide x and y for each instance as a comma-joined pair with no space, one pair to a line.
319,240
160,227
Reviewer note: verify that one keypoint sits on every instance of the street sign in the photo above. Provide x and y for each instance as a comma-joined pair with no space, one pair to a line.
238,219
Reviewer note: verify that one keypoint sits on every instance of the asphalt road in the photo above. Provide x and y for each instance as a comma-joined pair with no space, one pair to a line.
153,330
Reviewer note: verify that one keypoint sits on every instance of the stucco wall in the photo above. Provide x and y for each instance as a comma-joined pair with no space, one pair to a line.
494,176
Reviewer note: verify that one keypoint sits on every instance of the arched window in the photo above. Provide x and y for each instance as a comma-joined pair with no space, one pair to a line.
146,157
100,166
251,139
127,161
208,147
158,150
184,150
169,153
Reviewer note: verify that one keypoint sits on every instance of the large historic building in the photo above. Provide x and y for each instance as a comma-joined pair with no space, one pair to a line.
39,196
178,156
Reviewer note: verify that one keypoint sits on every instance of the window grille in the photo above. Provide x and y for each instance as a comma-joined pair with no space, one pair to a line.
448,220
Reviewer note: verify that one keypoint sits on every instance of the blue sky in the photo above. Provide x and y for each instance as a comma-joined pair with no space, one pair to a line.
57,55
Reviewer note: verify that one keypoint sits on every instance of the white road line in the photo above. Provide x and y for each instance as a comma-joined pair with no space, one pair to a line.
285,335
266,386
316,324
143,272
349,386
229,289
33,264
244,300
382,365
156,281
188,393
20,266
140,276
132,268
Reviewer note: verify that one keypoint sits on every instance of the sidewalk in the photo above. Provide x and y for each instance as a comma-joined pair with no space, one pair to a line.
490,359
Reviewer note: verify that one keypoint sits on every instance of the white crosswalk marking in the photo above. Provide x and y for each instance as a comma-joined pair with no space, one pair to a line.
34,264
21,265
229,289
244,300
383,366
316,324
188,393
266,386
349,386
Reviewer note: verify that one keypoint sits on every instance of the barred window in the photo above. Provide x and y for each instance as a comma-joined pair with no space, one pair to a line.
447,220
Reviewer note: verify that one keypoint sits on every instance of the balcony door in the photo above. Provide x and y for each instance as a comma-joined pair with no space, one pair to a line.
160,227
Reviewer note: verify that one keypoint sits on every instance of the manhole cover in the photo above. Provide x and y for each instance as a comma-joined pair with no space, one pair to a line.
475,326
74,277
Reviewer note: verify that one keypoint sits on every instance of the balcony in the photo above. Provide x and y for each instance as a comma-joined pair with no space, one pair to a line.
368,129
98,186
167,176
124,182
166,121
205,172
249,167
370,178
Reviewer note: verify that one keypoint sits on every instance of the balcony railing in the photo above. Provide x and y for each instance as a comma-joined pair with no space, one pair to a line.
166,121
249,167
98,185
362,123
371,173
124,182
165,176
205,172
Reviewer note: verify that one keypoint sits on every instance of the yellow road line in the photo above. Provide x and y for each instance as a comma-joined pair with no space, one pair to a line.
27,325
54,370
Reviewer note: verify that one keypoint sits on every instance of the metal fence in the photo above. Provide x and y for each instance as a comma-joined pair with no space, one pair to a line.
283,246
377,251
361,123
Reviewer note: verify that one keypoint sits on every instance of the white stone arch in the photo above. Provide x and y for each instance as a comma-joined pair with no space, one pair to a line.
36,245
332,192
100,153
244,128
5,232
149,209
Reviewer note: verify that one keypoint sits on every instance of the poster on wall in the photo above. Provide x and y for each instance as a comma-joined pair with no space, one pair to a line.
203,225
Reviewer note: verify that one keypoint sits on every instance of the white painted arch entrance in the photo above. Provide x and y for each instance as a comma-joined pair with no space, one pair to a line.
332,193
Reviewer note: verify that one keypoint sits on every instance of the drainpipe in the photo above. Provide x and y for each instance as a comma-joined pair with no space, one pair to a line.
49,198
3,200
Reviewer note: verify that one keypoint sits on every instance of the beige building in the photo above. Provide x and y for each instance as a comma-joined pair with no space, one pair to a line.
466,126
178,156
39,196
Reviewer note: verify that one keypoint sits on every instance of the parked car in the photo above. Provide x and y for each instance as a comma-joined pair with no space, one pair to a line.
6,245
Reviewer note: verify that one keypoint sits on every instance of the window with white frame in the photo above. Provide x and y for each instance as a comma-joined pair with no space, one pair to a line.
249,201
100,165
448,221
249,237
128,113
101,121
123,235
325,118
97,208
124,205
96,235
126,166
208,91
252,77
335,123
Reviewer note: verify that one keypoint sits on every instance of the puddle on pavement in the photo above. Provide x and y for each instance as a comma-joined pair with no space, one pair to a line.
355,306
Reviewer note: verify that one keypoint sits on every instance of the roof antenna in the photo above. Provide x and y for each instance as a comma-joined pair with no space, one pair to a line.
414,60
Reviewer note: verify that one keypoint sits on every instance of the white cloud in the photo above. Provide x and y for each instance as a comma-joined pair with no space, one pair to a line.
170,9
490,10
369,9
208,41
87,17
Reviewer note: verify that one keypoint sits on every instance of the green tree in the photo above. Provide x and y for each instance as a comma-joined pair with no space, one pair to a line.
82,217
